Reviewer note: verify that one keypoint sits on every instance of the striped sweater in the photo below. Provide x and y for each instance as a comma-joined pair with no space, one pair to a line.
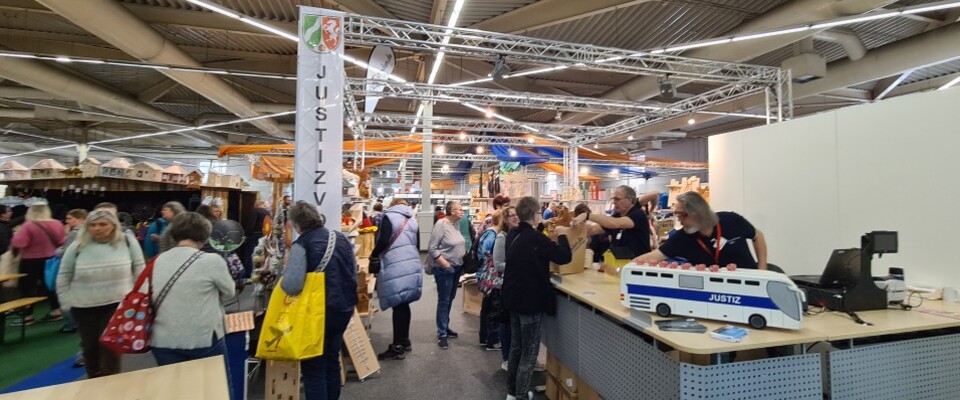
99,274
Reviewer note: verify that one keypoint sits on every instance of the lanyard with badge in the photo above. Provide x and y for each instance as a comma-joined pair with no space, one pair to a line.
716,251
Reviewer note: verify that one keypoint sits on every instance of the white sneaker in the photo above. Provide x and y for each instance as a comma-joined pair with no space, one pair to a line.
511,397
503,366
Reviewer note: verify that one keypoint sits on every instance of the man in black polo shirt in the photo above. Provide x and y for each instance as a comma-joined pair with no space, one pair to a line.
698,243
628,227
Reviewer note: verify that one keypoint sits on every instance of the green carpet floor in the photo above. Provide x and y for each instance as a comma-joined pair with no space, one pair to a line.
42,347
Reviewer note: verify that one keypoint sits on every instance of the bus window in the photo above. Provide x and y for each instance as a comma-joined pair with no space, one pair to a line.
691,281
736,281
752,283
718,280
653,274
637,273
666,275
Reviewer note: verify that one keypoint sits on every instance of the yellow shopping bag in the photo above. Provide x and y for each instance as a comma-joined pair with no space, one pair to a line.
294,325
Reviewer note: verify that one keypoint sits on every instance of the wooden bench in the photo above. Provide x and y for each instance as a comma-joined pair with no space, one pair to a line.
12,307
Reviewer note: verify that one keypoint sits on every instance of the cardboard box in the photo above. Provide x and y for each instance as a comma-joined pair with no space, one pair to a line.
362,282
565,395
472,298
585,392
363,303
283,380
553,366
553,389
568,379
579,239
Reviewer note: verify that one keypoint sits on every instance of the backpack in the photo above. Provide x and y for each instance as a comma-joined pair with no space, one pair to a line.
471,261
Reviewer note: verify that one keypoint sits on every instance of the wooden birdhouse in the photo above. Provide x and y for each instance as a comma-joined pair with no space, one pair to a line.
174,174
12,170
115,168
214,178
90,168
230,181
145,171
47,169
194,179
72,173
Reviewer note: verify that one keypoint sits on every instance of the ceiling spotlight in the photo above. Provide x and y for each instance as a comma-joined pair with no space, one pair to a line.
463,135
441,149
584,170
559,116
349,123
500,68
445,168
529,140
479,149
667,89
596,145
513,153
630,137
691,121
615,171
489,113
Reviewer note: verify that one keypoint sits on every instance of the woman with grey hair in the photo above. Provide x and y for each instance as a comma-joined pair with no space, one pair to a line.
710,238
321,375
37,240
96,272
189,323
446,250
154,243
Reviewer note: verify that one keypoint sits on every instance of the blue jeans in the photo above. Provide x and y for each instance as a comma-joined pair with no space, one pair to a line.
505,341
321,375
446,279
165,356
525,335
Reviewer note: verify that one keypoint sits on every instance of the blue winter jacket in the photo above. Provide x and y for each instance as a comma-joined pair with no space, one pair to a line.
150,247
401,272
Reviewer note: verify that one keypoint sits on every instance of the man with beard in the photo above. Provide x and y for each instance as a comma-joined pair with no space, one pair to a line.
710,238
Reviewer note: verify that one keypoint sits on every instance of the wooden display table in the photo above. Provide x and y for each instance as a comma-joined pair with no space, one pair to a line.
10,277
199,379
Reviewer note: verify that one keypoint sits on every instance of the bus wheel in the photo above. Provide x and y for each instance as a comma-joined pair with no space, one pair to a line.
757,321
663,310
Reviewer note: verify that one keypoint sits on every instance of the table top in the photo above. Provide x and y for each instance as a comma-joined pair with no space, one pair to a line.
602,291
199,379
10,277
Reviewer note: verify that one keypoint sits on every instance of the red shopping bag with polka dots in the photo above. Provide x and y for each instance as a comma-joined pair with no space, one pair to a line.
128,331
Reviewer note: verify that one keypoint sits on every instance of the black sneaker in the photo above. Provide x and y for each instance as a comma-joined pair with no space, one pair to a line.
451,334
394,352
442,342
407,346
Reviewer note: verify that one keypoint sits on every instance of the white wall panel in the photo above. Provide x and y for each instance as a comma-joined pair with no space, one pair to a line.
819,182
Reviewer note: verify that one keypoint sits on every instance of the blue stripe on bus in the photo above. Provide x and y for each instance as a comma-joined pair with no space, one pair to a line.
702,296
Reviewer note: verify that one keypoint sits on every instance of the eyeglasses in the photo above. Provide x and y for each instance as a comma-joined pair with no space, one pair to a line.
681,214
512,216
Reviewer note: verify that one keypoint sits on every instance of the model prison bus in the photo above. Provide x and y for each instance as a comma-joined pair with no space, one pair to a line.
755,297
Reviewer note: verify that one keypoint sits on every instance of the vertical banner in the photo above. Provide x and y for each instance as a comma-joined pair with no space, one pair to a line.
318,174
382,61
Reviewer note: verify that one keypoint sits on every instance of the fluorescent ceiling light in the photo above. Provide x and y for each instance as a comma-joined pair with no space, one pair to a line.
593,151
950,84
854,20
770,33
215,8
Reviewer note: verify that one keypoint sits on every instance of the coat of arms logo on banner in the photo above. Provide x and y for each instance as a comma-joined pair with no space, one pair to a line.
323,34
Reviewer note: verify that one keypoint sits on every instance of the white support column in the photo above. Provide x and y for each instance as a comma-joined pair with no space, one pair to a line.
425,217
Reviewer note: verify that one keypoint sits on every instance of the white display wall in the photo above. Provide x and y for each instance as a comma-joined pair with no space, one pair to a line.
820,182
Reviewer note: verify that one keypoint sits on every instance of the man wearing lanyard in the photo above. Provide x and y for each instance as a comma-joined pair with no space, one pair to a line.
710,238
628,226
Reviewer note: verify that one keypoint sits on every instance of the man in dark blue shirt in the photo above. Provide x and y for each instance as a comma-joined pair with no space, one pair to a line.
710,238
628,227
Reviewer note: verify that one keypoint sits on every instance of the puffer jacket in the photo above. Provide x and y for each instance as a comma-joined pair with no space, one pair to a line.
401,272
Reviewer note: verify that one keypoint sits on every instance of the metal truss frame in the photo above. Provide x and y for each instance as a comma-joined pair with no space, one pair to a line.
451,138
493,97
551,160
370,31
474,125
687,106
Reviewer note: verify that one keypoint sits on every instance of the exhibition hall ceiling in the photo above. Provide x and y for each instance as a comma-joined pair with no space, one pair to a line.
47,101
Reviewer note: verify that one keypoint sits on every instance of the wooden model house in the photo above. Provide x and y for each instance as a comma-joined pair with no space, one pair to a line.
47,169
214,178
194,179
230,181
90,168
115,168
174,174
145,171
12,170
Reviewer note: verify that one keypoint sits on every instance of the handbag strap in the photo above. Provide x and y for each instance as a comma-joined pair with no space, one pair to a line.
331,243
396,235
45,231
173,279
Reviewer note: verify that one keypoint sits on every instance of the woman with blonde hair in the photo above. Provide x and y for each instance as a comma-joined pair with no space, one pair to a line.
97,271
38,240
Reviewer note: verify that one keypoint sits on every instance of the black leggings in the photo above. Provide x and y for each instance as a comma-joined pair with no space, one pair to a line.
401,324
33,284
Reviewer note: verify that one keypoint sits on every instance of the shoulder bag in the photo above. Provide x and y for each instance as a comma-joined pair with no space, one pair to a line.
306,311
128,331
374,266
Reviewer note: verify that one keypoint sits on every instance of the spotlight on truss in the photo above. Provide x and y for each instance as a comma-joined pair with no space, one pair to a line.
500,68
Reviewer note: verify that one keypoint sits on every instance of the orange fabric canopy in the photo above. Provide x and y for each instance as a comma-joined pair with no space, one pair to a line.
559,169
